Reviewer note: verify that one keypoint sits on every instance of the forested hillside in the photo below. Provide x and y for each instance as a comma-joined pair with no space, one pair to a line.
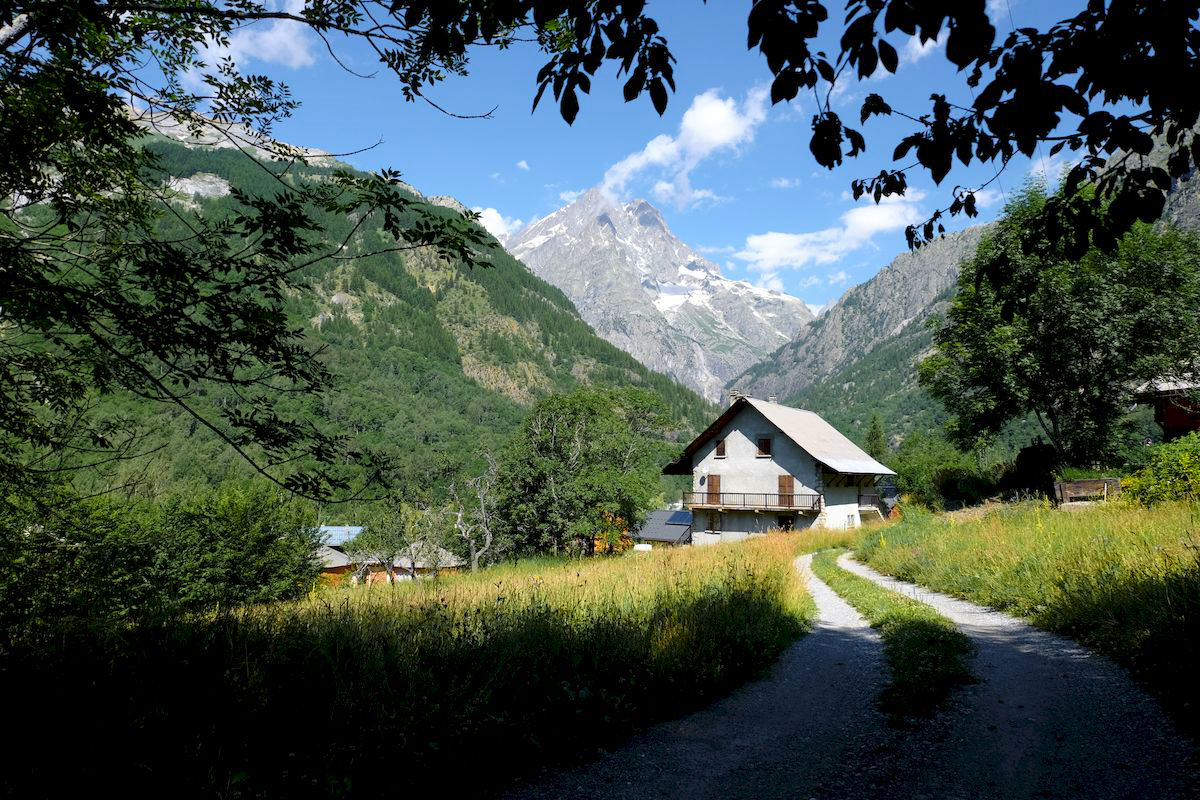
435,362
859,358
884,382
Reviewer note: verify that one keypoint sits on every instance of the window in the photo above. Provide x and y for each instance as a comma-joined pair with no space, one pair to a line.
720,448
764,446
851,521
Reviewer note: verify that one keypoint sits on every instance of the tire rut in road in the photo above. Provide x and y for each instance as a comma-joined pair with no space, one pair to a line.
1050,718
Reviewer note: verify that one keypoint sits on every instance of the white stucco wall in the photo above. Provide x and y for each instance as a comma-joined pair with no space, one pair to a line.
841,507
741,469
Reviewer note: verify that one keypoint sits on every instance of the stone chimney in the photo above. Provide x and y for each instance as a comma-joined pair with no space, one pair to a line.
735,395
772,398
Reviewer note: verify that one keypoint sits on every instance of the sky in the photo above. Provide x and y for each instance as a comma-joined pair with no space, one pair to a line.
731,173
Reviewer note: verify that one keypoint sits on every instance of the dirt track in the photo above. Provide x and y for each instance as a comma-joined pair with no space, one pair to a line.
1048,719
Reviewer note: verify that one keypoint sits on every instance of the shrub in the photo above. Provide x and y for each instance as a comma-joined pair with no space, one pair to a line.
1173,473
111,561
936,474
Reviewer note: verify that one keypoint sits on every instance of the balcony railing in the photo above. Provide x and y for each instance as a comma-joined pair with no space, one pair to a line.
799,501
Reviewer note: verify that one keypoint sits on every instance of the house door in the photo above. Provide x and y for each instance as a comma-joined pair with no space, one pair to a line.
714,490
787,491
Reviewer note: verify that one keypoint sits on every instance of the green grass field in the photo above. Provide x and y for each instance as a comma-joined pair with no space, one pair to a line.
1121,579
927,654
357,692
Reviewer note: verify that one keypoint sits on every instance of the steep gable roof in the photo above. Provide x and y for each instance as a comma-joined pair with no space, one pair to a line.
807,429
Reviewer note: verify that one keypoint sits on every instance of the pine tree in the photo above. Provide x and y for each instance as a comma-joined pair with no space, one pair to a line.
876,441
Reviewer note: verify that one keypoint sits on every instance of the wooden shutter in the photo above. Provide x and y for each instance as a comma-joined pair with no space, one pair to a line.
720,448
787,491
714,490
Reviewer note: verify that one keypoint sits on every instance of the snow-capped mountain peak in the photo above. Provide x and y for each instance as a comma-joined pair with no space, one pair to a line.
647,292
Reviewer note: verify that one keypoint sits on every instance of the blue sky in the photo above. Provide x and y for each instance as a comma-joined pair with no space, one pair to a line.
731,173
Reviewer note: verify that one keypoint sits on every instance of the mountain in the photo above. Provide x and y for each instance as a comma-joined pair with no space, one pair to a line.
859,358
648,293
434,362
899,298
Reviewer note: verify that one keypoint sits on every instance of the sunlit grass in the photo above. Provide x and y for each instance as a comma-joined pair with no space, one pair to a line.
506,670
1120,578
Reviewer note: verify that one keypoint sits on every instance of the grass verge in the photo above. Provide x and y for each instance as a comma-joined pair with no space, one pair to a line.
928,655
1121,579
469,681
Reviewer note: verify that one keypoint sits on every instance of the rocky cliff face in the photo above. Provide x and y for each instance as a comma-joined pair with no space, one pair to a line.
901,293
648,293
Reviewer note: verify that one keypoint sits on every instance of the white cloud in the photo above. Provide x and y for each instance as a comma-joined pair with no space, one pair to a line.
570,196
810,281
838,278
715,249
495,176
523,165
277,41
770,281
1049,168
914,49
999,10
710,125
986,198
785,183
771,251
815,309
497,224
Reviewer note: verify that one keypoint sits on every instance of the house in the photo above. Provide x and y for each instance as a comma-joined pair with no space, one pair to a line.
666,528
1176,405
420,558
335,564
762,465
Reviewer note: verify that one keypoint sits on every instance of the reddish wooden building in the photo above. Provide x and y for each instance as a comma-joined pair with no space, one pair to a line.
1176,405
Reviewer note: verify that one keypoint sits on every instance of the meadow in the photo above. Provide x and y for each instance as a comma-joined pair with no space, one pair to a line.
472,680
1119,578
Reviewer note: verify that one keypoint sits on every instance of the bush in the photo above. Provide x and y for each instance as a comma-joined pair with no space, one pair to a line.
1173,473
66,562
936,474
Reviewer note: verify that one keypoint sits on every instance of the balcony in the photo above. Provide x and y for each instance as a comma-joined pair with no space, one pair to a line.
753,501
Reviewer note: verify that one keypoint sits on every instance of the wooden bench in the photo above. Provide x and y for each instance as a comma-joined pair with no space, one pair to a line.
1101,488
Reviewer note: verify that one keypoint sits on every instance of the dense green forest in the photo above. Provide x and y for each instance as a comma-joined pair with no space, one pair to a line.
435,362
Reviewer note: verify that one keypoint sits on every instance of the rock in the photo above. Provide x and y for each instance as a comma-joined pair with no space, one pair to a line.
648,293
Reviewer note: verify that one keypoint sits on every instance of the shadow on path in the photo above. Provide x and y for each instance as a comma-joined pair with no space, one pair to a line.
1050,718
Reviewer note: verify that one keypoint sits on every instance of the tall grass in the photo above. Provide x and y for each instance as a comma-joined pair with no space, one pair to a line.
467,681
1121,579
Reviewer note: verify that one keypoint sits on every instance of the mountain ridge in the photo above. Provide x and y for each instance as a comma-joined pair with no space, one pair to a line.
647,292
903,292
435,362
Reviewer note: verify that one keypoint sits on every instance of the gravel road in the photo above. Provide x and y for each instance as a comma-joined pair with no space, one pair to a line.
1049,718
811,729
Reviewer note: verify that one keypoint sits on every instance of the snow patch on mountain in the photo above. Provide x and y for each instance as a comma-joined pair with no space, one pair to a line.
647,292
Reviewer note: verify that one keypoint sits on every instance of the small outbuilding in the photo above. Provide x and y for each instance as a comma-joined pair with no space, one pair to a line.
667,528
418,559
1176,405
